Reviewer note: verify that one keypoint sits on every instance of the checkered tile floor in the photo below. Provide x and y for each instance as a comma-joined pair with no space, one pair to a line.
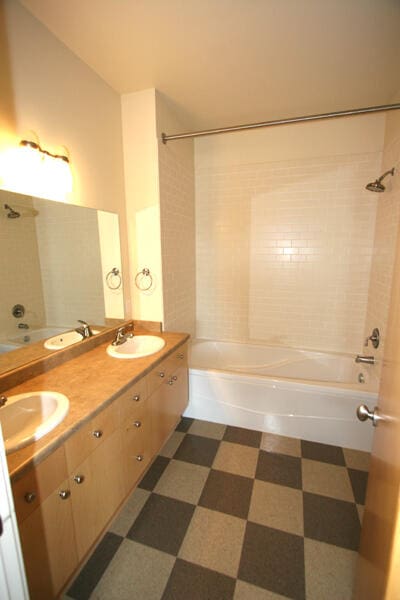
229,513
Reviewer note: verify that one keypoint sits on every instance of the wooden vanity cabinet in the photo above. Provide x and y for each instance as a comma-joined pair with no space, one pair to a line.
42,501
97,485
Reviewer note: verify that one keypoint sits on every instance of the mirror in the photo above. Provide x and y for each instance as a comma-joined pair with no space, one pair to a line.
58,263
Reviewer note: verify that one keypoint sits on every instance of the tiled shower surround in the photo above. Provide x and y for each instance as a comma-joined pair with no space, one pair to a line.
284,250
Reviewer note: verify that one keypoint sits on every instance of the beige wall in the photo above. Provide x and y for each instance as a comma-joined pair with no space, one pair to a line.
45,88
176,185
285,233
386,232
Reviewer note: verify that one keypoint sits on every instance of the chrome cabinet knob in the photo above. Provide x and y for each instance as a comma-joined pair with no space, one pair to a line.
174,377
181,356
97,433
162,374
64,494
136,397
139,457
30,497
79,479
363,414
137,423
170,382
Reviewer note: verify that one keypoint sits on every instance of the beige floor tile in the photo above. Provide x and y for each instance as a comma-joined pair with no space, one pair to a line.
326,479
136,572
280,444
207,429
124,520
171,445
329,571
236,459
214,540
183,481
355,459
360,510
277,506
246,591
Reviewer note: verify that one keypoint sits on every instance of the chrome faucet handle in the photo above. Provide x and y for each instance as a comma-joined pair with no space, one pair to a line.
369,360
374,337
85,330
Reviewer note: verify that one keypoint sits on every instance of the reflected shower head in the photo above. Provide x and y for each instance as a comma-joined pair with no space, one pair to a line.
13,214
377,185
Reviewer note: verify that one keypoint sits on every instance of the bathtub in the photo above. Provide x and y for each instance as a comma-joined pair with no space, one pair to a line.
36,335
286,391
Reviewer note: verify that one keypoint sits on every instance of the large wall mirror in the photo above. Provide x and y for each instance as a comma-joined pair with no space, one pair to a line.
61,263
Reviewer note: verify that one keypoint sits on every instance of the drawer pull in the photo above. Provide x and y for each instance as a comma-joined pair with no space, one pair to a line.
162,374
139,457
97,433
30,497
181,356
136,397
174,377
64,494
170,382
137,423
79,479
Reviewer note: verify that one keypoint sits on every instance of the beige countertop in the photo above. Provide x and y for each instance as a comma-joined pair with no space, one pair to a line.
90,381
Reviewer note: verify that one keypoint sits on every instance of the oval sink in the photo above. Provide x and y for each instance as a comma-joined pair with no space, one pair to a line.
26,418
137,347
63,340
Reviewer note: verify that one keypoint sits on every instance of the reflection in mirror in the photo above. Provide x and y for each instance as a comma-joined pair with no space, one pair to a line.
58,263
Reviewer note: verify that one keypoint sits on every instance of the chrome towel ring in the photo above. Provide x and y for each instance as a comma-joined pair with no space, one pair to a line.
140,280
114,279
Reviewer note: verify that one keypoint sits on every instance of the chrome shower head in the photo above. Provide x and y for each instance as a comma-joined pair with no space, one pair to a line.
13,214
377,185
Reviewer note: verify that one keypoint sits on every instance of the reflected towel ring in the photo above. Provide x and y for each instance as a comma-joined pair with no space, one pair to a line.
143,273
114,273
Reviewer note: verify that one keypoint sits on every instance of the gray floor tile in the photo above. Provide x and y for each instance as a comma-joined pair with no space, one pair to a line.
197,449
273,560
149,481
329,571
331,521
162,523
279,468
214,540
237,459
277,506
227,493
188,581
207,429
172,444
183,481
124,521
247,437
279,444
355,459
184,424
322,452
326,479
359,481
137,572
246,591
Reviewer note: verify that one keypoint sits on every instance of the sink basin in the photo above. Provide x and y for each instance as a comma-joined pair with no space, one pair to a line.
137,347
63,340
26,418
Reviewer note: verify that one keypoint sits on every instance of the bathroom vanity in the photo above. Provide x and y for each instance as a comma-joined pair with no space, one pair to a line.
69,485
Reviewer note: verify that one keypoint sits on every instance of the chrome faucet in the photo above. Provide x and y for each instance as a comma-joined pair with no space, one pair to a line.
368,360
85,330
23,326
121,336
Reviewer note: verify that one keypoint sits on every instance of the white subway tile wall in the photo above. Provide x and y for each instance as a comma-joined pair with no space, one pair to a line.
284,251
386,231
176,177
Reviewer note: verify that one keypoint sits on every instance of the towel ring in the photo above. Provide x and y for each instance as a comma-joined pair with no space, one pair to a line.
142,274
114,274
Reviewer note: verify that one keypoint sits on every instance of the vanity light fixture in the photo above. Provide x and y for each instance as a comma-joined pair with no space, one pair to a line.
56,170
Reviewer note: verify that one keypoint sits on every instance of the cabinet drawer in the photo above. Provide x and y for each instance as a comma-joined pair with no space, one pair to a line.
132,401
38,483
136,453
90,436
179,358
161,372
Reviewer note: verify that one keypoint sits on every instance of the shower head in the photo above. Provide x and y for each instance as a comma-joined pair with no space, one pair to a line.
13,214
377,185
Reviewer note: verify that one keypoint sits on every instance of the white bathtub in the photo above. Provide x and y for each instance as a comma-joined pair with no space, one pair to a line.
297,393
36,335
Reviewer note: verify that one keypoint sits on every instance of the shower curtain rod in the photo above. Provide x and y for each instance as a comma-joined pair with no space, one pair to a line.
332,115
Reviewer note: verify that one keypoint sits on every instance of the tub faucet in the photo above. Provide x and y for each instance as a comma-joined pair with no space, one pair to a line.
121,336
369,360
85,330
23,326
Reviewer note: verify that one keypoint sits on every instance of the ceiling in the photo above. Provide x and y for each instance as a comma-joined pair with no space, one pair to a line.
226,62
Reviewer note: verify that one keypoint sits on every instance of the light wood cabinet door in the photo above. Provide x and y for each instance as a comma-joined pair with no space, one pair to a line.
97,491
48,545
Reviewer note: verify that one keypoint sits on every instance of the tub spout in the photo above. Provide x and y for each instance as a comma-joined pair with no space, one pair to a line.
369,360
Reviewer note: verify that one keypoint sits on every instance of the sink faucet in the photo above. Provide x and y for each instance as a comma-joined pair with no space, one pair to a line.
23,326
85,330
121,336
3,400
369,360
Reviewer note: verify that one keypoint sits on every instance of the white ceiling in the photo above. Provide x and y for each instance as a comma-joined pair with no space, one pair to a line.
226,62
